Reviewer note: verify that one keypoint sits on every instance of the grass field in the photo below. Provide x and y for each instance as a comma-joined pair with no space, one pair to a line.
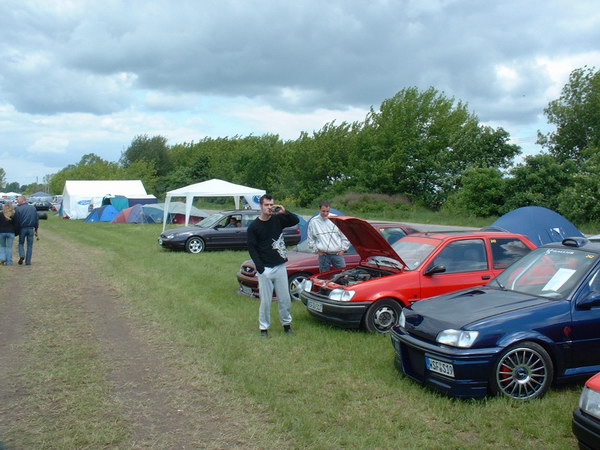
325,387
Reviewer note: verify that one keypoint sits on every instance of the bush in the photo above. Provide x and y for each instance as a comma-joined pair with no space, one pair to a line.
370,203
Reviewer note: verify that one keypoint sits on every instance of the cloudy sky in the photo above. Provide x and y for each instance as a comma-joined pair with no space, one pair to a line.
81,76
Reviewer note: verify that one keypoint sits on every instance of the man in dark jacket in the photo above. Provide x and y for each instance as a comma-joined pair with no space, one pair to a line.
267,250
26,221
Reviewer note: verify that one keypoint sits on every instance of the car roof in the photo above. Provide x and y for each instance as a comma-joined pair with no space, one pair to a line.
450,234
240,211
580,243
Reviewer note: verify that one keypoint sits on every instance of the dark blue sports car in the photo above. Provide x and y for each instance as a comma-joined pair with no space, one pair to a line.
537,323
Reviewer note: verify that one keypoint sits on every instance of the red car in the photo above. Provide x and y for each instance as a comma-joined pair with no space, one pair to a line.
302,262
586,418
372,294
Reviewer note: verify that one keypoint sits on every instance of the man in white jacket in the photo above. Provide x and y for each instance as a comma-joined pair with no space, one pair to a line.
326,240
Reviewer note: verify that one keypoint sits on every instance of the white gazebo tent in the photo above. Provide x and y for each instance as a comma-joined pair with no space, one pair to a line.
211,188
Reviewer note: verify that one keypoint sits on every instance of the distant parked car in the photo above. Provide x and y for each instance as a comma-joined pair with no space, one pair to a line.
586,418
417,266
537,323
217,231
302,262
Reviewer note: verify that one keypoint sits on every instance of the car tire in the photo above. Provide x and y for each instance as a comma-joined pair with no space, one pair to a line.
523,371
195,245
295,283
382,315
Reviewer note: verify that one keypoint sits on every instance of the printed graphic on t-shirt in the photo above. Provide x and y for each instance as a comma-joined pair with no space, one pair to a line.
279,245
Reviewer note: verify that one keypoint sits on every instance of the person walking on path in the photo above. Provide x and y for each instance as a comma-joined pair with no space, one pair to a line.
27,222
267,249
7,233
326,240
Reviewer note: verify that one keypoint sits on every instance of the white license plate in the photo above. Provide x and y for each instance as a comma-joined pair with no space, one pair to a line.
440,367
315,306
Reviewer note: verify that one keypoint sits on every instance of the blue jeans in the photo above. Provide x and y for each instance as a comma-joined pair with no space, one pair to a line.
328,262
6,247
26,233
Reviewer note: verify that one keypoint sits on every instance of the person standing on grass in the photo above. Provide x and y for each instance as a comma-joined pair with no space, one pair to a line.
27,222
267,249
7,233
326,240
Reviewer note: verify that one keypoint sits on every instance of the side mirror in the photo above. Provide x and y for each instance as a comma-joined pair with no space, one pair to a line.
431,270
590,300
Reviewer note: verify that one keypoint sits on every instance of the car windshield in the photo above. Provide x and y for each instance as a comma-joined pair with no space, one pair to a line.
547,272
413,253
210,221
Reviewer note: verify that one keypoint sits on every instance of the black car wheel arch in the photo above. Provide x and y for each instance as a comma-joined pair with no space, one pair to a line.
382,315
523,371
195,244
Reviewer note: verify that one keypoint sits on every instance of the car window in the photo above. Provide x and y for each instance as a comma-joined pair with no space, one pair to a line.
467,255
547,272
247,219
413,253
392,234
505,251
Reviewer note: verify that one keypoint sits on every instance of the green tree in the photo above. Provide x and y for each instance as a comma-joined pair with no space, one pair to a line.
91,167
153,149
420,143
576,115
482,193
538,182
579,200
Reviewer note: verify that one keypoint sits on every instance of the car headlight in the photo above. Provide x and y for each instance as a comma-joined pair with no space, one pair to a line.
170,236
402,319
457,338
589,402
341,295
307,285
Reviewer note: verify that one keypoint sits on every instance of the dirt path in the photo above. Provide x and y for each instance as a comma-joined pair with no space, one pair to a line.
162,403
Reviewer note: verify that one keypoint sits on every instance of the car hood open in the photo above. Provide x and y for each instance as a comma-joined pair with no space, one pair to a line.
459,309
365,238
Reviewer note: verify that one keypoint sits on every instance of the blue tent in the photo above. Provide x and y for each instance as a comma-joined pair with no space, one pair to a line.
540,225
304,223
103,214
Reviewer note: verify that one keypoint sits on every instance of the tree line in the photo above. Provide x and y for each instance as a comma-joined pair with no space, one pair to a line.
420,145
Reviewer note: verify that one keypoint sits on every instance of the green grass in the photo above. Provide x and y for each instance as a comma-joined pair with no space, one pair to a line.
324,388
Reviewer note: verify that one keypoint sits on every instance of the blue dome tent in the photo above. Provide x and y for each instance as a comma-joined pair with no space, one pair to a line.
540,225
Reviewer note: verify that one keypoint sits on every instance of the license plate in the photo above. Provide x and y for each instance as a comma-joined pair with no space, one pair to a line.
439,367
315,306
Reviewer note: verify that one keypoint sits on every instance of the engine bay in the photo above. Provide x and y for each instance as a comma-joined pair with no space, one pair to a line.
357,275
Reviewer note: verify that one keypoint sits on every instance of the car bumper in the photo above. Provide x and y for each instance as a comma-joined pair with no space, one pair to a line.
341,314
472,367
586,429
170,243
248,285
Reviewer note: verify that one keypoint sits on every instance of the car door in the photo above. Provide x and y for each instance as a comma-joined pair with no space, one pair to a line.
228,236
466,264
585,329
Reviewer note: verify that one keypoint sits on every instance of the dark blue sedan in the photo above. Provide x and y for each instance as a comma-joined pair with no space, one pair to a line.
535,324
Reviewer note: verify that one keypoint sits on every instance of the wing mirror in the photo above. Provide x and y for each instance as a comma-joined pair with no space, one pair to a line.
431,270
590,300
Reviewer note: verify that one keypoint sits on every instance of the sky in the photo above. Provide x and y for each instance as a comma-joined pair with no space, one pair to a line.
79,77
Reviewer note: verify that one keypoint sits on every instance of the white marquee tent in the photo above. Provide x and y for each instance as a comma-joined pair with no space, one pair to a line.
78,195
212,188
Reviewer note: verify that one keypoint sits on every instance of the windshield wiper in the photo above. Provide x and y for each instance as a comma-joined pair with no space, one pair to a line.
499,284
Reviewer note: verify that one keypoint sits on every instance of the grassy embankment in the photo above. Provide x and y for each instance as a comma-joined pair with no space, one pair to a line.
324,388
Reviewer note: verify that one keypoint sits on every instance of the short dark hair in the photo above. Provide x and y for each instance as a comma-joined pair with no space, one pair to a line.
324,203
265,197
